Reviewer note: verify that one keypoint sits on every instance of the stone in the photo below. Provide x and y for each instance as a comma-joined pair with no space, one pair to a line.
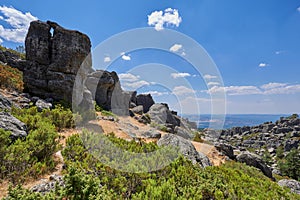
144,119
151,134
185,147
48,185
292,184
138,110
254,161
42,105
160,114
5,104
53,60
204,160
291,144
183,132
144,100
9,123
225,149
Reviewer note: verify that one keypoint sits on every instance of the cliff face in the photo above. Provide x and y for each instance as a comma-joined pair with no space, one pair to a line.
54,55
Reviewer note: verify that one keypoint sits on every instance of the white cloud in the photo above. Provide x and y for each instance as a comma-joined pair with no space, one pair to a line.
167,17
125,57
156,93
208,77
107,59
263,64
128,77
175,47
235,90
18,21
272,85
1,41
298,9
213,83
266,89
182,90
136,85
180,75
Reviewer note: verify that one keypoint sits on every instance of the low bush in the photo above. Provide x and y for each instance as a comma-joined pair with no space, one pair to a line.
11,78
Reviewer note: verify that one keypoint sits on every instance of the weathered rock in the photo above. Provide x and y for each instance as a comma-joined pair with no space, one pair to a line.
161,114
204,160
53,60
10,123
49,185
4,103
144,119
145,100
151,134
42,105
291,144
292,184
183,132
186,148
254,161
138,110
225,149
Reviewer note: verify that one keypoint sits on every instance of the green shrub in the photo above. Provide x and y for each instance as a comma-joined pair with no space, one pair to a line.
290,165
11,78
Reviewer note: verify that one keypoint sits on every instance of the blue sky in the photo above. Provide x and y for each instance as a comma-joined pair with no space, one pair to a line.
254,44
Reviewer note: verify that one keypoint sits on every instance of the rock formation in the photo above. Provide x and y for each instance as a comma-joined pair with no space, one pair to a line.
53,60
186,148
292,184
9,123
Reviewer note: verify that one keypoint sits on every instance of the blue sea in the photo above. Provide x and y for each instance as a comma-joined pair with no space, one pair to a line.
233,120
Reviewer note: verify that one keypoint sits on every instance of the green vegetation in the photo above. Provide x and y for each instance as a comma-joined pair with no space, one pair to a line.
11,78
197,137
159,127
20,51
87,178
290,165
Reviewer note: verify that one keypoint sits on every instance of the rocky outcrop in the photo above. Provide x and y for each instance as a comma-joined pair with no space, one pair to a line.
9,123
5,104
160,114
186,148
254,161
144,100
53,60
151,134
7,57
264,139
292,184
225,149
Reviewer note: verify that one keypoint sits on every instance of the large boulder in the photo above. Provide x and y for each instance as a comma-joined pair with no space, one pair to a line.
254,161
9,123
183,132
185,147
292,184
160,114
225,149
144,100
53,60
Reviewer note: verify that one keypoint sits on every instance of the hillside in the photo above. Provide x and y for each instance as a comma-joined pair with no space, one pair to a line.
55,148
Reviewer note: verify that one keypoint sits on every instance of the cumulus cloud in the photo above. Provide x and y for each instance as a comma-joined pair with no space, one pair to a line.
182,90
156,93
159,19
180,75
175,47
272,85
125,57
263,64
18,22
136,85
128,77
107,59
209,77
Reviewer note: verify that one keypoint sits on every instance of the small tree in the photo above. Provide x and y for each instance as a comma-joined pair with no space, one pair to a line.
290,166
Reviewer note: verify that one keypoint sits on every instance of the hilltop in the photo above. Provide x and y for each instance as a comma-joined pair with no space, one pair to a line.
43,128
